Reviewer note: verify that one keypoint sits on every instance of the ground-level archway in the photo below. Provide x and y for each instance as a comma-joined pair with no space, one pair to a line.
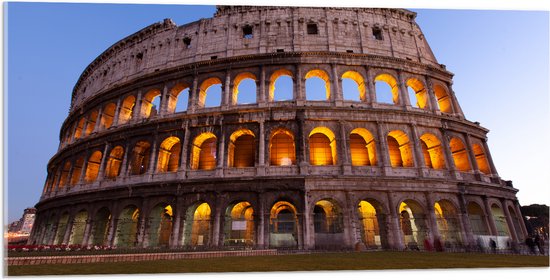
413,224
283,225
127,227
373,226
197,227
160,226
239,225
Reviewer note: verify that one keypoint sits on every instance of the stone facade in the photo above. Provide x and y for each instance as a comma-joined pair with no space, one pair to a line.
133,169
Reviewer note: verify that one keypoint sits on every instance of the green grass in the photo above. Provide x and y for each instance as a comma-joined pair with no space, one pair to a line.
309,262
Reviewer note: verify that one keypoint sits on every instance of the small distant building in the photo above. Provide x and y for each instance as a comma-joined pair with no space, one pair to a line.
24,225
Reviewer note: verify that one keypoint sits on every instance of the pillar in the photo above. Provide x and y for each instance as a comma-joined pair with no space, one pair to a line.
216,226
261,87
87,231
101,172
384,155
336,94
98,120
418,156
432,218
509,221
489,215
261,149
227,96
471,155
117,112
431,95
371,91
299,92
404,99
395,238
521,219
489,158
260,232
164,100
465,220
193,98
184,146
136,113
153,157
174,236
449,161
68,230
124,165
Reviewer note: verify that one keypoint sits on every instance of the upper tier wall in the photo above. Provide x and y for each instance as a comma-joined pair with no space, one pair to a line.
162,46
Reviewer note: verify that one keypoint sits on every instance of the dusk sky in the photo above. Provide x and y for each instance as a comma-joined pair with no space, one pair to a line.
500,60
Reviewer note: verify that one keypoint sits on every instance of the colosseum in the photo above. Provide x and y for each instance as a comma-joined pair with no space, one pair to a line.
274,127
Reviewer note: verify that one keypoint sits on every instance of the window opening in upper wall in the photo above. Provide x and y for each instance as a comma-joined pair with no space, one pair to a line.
312,29
247,32
187,42
377,34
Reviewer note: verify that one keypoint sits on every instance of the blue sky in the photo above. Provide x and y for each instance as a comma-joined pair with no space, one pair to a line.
500,60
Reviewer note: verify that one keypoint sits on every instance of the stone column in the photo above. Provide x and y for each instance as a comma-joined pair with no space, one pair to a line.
227,96
221,151
489,158
217,221
404,99
306,223
87,231
84,167
520,218
336,94
260,232
417,154
371,90
432,218
174,236
124,170
68,230
98,120
449,156
261,149
184,147
489,215
300,231
509,221
164,100
395,234
456,106
261,88
113,223
101,172
384,155
431,95
153,157
193,98
117,112
350,218
465,220
343,149
136,113
143,225
471,156
299,92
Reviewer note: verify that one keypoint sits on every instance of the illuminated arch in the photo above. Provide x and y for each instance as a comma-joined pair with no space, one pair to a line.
78,129
283,225
140,158
107,116
169,155
477,219
418,92
241,150
91,122
246,76
112,170
150,106
203,156
203,90
399,149
373,232
282,149
500,220
443,99
239,224
197,225
320,74
127,227
100,227
481,159
126,109
78,227
327,217
160,225
274,80
176,99
362,147
448,223
92,167
322,146
389,80
77,170
360,86
64,175
432,151
413,224
460,154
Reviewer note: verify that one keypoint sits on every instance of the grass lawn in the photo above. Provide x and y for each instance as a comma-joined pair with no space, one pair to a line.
308,262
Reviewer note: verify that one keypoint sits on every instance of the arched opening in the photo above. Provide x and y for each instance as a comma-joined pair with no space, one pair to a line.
114,162
64,175
150,106
353,86
500,220
460,155
413,224
443,99
126,109
169,155
160,225
477,219
481,159
197,225
241,150
79,225
92,167
90,123
78,130
317,85
140,158
282,150
432,151
447,223
418,95
244,89
516,222
210,93
100,228
107,116
281,86
387,90
61,229
49,230
328,224
373,231
400,149
178,99
77,170
362,148
322,146
127,227
239,225
204,152
283,225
